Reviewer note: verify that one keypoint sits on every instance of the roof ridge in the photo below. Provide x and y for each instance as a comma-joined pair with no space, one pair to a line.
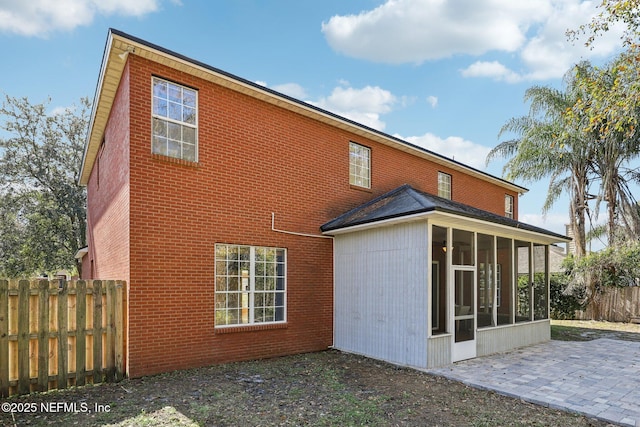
414,193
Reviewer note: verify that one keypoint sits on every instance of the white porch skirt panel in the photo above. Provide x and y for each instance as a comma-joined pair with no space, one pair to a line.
439,349
509,337
380,297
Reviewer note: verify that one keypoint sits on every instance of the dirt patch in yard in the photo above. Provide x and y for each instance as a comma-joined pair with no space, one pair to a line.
321,389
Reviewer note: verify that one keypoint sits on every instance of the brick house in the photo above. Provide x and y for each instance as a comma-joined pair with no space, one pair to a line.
249,224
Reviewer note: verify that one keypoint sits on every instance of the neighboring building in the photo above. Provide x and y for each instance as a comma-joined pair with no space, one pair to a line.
556,257
249,224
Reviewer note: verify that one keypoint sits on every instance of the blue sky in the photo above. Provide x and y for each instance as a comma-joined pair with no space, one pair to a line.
443,74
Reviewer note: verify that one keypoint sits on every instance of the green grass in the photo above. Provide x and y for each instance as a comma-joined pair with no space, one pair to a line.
587,330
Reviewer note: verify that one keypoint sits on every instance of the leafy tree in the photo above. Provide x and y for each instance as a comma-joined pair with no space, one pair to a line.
613,110
611,12
548,143
615,141
42,207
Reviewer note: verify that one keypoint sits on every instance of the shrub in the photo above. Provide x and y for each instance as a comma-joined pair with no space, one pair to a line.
565,299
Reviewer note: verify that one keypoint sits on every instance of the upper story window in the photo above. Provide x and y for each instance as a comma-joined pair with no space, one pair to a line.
174,120
508,206
359,165
444,185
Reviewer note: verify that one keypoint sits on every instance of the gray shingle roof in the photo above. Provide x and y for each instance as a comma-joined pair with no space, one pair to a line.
406,200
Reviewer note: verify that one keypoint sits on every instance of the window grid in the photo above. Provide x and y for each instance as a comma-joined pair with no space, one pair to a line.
508,206
444,185
359,165
250,285
174,123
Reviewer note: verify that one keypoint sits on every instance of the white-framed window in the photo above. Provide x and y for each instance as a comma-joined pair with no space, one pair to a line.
444,185
174,120
250,285
359,165
508,206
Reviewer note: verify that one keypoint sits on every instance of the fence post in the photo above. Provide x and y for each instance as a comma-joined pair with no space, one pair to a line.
43,335
110,347
81,332
97,331
63,344
4,338
23,337
119,325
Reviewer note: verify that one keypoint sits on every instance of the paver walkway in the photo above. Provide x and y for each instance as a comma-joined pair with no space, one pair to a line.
599,378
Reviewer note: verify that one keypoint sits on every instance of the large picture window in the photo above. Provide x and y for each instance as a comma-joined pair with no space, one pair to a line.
250,285
174,121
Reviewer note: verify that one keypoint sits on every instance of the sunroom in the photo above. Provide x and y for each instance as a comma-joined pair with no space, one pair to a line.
423,281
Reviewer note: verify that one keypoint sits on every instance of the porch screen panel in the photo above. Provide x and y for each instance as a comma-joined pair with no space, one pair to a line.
540,282
524,284
463,250
439,280
504,281
463,298
485,281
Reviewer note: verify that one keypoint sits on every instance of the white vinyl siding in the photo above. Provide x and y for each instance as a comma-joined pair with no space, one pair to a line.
381,293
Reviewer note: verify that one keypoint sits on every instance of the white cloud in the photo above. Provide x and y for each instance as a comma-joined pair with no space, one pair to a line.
532,32
433,101
553,221
454,147
292,89
364,105
418,30
493,69
549,54
41,17
361,105
61,111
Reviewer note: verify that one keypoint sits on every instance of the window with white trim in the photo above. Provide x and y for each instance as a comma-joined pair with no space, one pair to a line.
444,185
250,285
508,206
359,165
174,121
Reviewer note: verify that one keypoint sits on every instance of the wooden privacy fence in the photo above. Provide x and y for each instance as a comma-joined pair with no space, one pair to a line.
614,305
56,334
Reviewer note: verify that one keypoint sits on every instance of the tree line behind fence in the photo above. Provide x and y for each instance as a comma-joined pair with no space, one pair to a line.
56,334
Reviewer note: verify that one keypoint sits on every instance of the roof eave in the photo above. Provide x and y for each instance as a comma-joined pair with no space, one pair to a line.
120,44
84,170
455,219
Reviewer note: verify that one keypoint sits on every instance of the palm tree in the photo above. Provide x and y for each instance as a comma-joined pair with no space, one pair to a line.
610,89
550,143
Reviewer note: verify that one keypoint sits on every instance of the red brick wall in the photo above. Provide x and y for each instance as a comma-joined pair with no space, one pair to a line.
108,197
254,159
